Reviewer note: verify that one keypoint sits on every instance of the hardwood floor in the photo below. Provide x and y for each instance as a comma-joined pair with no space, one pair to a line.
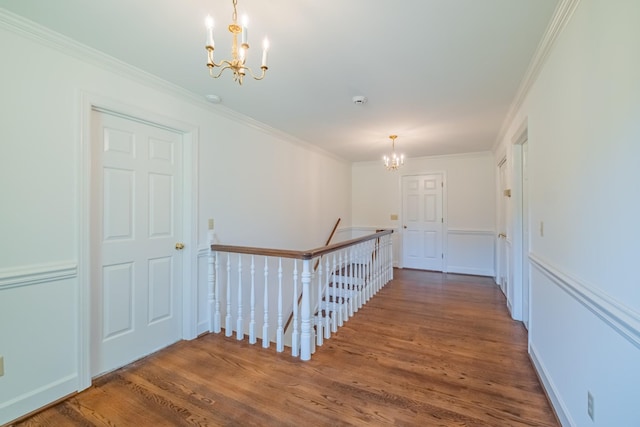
428,350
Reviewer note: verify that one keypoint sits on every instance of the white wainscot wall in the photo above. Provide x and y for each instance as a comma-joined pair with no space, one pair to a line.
471,252
31,381
583,341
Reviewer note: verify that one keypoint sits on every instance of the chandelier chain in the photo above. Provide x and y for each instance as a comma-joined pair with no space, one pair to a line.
234,17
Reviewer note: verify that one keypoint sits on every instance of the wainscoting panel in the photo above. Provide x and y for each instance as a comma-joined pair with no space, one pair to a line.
203,316
581,342
471,252
38,341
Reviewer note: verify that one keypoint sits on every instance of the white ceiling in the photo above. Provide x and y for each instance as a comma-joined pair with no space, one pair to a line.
441,74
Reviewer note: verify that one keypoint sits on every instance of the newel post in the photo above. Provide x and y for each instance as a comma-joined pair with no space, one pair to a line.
305,311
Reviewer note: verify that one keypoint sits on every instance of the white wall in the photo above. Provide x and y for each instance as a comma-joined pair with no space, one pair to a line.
469,211
583,118
243,185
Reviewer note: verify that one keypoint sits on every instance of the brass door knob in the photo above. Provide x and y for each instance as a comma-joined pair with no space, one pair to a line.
405,226
179,246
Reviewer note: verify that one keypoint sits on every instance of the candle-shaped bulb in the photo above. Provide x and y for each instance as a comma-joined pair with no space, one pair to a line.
265,50
242,54
209,23
245,36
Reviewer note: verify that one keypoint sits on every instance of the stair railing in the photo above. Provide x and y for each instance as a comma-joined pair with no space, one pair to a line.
351,272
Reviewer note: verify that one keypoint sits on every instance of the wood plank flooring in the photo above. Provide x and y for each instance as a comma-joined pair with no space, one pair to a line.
428,350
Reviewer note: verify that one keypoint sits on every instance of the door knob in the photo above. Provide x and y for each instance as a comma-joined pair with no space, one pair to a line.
405,226
179,246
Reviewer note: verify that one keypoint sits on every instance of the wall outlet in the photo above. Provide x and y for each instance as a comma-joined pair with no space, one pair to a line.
590,404
1,366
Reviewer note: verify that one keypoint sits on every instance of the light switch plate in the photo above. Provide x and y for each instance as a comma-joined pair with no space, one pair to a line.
394,217
1,366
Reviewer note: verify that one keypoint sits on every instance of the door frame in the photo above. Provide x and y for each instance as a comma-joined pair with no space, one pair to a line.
520,254
502,268
87,103
445,227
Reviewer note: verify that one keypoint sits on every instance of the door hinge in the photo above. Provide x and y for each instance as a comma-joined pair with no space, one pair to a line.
442,220
442,256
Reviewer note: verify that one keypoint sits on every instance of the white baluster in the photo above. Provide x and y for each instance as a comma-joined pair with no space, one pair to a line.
295,335
265,325
352,282
334,306
217,321
240,322
370,274
340,283
252,322
327,303
280,330
228,330
305,312
211,297
357,285
319,323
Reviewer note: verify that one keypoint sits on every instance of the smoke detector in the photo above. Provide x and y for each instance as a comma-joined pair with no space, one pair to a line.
214,99
359,100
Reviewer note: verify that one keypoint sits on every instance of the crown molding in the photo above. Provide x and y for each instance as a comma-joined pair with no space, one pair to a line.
561,16
66,45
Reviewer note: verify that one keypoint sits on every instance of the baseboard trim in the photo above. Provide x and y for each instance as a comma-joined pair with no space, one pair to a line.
453,269
622,319
38,399
550,389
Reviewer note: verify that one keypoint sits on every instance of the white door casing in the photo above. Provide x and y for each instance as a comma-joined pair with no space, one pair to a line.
502,227
136,214
423,222
525,234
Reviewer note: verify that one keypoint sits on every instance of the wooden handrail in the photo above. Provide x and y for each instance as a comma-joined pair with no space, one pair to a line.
304,255
335,227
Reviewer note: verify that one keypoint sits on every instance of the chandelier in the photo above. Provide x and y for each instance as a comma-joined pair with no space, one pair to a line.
393,162
238,53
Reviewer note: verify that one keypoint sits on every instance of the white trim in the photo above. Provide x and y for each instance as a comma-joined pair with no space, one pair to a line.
454,269
561,16
38,273
33,399
550,388
87,103
621,318
47,37
490,233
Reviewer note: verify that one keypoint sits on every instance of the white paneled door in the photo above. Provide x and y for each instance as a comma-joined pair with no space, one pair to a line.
423,222
136,227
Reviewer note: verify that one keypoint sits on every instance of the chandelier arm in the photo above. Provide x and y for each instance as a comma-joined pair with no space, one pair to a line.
264,72
215,76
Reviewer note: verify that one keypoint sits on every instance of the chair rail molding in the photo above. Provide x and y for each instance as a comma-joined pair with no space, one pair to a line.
621,318
37,273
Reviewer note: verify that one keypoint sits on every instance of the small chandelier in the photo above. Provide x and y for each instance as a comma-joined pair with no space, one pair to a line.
394,161
239,54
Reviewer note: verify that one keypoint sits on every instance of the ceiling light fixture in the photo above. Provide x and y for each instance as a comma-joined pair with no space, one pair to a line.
239,54
393,162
